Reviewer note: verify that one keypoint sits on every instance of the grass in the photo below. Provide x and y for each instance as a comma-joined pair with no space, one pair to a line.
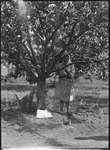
96,92
95,95
25,124
16,87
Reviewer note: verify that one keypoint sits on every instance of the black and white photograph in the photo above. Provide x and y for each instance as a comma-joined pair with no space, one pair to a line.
54,75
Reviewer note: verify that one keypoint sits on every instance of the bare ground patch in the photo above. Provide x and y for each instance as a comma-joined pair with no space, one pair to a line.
87,128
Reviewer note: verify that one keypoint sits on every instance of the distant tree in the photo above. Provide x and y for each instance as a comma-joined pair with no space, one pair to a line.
35,35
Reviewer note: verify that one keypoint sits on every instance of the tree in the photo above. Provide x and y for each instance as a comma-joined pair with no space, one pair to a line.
35,35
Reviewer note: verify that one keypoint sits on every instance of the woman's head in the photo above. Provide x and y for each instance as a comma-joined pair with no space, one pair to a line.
66,58
61,60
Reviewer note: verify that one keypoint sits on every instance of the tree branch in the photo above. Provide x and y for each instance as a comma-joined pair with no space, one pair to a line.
23,44
31,48
24,58
44,54
38,35
63,50
26,68
69,43
64,17
72,32
38,72
41,23
95,61
9,59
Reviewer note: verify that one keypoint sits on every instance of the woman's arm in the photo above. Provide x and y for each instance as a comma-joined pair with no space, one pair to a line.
61,72
70,71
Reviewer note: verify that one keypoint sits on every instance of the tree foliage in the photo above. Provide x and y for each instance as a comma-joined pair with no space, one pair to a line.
34,35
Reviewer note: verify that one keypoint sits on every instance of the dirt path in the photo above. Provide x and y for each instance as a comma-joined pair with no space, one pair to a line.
27,131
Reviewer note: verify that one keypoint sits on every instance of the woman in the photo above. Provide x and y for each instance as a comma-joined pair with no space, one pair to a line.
65,83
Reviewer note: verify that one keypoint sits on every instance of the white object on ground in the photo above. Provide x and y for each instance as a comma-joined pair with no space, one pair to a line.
43,114
72,95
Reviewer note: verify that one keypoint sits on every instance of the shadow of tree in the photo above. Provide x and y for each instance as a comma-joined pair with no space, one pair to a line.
54,142
97,138
91,99
75,120
90,102
17,87
16,118
31,128
37,128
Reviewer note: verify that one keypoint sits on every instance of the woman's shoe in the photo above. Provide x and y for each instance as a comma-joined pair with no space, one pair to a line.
69,114
66,123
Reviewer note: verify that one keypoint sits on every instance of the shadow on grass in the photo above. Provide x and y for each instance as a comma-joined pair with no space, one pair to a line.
10,87
97,138
15,117
88,87
37,128
73,118
91,99
54,142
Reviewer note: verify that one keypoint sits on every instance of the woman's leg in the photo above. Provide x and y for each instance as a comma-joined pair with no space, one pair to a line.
61,105
68,106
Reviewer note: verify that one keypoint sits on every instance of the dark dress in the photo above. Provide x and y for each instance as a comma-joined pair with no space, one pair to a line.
65,87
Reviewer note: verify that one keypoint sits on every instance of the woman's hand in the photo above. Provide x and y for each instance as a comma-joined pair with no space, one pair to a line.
68,73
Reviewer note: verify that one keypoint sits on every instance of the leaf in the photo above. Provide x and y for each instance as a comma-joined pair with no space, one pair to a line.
48,38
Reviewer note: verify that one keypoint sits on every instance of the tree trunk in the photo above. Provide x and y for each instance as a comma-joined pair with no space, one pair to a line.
41,94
